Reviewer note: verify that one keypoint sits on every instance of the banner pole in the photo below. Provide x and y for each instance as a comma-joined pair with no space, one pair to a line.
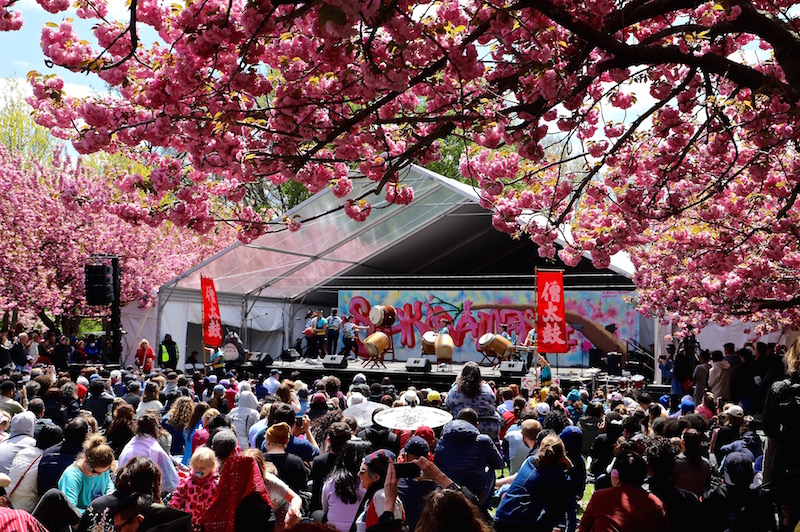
538,370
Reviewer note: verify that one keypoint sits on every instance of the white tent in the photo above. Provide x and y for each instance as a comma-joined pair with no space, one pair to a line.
443,238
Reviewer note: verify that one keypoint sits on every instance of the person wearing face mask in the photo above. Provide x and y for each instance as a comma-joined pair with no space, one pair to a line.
195,492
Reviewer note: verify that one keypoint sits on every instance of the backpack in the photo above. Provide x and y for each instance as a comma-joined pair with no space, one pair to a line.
789,411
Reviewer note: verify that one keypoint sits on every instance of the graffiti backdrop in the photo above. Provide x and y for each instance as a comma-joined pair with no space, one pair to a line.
475,313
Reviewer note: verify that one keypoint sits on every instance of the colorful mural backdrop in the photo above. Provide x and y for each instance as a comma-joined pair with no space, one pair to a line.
474,313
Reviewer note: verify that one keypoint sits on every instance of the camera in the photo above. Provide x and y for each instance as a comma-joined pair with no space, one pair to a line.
407,470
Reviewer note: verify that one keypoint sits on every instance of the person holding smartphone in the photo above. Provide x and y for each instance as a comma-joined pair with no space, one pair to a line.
410,487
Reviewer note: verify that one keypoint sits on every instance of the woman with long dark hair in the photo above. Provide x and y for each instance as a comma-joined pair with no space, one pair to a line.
149,399
145,443
195,422
374,475
342,492
470,391
122,427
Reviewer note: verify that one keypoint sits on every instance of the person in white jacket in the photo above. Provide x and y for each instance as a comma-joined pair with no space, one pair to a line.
719,377
245,415
23,490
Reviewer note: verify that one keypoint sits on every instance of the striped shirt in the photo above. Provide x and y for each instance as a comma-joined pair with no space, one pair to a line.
19,521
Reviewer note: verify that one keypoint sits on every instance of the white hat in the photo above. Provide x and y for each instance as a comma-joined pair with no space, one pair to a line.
356,398
734,410
410,398
542,409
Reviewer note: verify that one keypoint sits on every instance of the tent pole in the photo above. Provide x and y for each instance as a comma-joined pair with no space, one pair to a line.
245,333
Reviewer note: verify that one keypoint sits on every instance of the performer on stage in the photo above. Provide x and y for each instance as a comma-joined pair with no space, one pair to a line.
334,325
530,341
320,327
504,331
217,363
546,375
445,326
350,338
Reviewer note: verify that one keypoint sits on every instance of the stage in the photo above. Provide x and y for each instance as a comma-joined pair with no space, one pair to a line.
439,379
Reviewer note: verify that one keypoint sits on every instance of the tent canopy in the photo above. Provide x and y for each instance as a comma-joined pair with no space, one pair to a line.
443,238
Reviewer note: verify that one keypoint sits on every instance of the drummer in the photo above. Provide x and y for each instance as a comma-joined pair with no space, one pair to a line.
332,334
320,327
446,323
350,337
530,341
504,331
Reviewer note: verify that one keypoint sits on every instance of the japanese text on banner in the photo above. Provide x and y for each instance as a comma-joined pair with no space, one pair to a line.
212,322
551,323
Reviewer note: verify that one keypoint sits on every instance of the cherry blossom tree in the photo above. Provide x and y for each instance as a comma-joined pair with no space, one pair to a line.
55,216
682,115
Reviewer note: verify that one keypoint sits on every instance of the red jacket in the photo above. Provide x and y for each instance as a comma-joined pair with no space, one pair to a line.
145,358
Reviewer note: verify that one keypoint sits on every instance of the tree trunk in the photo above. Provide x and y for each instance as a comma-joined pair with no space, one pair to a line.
70,326
50,324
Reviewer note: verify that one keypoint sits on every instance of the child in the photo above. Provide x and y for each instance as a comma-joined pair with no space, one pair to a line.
195,492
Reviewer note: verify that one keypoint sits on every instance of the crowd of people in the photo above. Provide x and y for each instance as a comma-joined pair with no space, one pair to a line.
154,448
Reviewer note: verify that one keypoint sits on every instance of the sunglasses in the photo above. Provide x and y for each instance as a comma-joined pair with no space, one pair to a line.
129,520
93,470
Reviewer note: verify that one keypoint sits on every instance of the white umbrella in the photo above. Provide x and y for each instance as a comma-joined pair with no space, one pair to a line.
412,417
363,412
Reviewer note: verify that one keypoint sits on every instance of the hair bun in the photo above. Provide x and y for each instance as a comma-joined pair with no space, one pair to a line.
96,440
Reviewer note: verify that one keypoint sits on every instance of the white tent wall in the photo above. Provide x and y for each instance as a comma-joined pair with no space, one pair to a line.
138,323
179,308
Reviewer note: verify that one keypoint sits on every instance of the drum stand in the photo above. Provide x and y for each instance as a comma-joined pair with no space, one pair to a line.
378,360
389,350
490,357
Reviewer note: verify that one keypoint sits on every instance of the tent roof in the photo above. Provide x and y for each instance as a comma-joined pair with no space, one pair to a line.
443,237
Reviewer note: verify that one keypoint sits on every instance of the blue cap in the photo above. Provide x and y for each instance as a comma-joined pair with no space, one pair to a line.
687,405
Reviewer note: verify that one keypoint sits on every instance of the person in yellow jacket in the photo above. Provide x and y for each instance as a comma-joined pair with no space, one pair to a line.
168,353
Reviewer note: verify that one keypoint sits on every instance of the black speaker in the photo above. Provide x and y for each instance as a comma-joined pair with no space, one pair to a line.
289,355
512,368
418,365
260,361
99,282
595,357
334,362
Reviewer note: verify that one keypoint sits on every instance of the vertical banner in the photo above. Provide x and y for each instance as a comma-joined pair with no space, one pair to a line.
212,323
551,322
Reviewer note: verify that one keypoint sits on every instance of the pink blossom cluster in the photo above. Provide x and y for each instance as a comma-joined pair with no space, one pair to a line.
400,194
342,187
357,210
10,20
54,6
63,45
58,213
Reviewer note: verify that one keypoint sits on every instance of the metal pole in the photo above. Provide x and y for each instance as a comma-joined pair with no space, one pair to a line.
116,314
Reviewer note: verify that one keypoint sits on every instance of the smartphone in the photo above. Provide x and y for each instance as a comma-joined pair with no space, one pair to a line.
407,470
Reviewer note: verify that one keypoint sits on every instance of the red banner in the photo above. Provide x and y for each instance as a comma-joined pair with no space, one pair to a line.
212,323
551,323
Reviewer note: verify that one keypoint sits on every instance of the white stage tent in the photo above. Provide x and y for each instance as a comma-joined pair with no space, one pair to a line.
443,239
